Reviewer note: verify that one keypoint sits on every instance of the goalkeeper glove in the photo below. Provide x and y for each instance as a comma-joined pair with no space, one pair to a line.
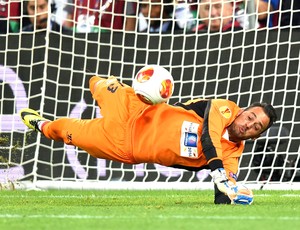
244,196
224,185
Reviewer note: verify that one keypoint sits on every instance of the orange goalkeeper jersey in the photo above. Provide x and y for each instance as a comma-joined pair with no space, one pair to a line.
175,135
192,135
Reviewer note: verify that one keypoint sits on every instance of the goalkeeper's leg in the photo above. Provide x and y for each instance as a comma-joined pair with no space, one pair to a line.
88,135
116,100
101,137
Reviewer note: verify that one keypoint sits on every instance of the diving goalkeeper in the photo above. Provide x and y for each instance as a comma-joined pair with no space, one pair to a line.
194,135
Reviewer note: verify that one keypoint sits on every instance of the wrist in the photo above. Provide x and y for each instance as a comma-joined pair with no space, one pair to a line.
219,175
215,164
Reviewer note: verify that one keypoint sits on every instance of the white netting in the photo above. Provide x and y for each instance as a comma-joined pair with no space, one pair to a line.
48,70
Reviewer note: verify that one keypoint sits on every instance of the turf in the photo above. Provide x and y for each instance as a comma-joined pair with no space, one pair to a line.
145,210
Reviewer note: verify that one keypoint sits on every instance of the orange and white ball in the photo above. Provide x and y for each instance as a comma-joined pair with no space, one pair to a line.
153,84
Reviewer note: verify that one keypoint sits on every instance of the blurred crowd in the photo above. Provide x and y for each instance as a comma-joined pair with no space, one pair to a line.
147,16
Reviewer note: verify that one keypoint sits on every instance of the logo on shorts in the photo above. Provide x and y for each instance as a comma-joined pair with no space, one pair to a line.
69,137
112,88
225,111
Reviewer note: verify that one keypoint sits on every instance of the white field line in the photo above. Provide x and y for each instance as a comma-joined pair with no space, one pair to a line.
120,196
19,216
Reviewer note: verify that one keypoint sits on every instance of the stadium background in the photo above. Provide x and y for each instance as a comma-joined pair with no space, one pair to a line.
270,57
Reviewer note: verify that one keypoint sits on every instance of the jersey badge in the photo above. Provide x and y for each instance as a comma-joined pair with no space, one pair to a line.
225,111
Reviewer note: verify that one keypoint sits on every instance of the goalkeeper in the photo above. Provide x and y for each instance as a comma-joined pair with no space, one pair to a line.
194,135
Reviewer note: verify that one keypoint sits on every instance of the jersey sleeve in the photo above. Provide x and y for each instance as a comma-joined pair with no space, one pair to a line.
218,115
231,168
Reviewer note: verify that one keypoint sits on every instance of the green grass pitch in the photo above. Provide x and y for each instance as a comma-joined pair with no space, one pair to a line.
164,209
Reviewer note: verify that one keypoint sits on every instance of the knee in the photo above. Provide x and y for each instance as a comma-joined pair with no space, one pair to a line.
93,82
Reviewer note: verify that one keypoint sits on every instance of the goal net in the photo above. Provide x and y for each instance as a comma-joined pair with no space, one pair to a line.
48,70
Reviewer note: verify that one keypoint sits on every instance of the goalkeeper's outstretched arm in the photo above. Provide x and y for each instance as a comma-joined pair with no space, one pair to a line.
244,196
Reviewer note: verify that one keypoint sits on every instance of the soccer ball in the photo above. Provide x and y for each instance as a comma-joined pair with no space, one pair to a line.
153,84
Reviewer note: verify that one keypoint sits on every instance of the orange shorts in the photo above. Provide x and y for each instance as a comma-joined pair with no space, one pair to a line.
107,137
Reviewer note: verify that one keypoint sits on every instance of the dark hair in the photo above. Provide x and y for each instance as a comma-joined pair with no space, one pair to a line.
167,5
268,109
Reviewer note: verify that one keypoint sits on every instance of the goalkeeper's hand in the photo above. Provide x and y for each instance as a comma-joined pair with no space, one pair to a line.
244,196
224,185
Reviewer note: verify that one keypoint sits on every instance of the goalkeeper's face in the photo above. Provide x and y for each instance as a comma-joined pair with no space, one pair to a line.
249,124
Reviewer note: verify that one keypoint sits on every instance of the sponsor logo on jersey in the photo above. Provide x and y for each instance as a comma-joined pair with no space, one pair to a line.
190,152
225,111
189,139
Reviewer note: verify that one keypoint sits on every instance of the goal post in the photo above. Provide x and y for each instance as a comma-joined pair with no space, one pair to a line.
49,71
